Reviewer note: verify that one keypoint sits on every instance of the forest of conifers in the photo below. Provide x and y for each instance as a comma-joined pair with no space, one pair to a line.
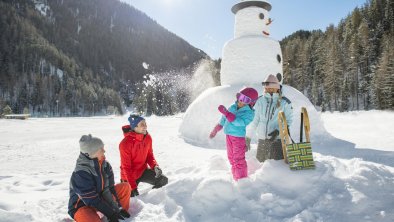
349,66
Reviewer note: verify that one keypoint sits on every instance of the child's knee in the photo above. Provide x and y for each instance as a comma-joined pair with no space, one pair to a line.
123,188
162,181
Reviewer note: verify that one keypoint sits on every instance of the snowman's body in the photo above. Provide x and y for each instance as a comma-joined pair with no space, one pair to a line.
247,60
239,64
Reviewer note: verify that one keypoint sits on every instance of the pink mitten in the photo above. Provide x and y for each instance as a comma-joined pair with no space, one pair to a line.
222,109
215,130
229,115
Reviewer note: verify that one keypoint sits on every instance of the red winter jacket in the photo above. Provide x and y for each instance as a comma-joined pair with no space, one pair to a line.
135,154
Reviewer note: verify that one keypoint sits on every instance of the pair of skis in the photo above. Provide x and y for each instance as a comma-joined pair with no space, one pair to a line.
297,155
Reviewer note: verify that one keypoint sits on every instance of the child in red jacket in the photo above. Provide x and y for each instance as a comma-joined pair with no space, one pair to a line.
136,155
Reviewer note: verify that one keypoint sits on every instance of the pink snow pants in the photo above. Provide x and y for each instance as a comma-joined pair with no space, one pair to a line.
236,147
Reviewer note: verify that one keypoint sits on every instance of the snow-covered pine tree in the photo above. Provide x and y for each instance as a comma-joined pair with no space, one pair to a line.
333,70
384,77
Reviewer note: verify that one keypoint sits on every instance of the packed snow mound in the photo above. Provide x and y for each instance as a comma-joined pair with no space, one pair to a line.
274,193
202,115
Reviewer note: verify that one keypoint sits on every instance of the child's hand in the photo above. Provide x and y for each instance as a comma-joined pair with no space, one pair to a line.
247,141
158,171
273,135
229,115
222,109
215,131
134,193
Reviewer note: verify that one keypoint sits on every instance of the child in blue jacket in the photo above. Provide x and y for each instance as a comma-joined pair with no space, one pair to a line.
234,122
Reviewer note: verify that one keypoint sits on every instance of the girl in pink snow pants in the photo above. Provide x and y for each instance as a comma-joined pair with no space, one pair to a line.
234,122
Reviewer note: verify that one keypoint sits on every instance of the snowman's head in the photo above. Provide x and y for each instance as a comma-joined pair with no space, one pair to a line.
251,18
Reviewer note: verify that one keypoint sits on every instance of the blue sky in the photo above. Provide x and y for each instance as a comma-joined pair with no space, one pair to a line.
209,24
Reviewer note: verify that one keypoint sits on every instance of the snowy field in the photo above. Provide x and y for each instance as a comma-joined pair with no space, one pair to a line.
38,156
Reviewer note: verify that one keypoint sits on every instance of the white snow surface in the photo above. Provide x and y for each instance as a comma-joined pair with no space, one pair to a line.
349,126
38,157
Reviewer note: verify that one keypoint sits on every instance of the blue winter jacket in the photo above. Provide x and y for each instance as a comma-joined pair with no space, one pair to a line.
243,117
89,182
266,117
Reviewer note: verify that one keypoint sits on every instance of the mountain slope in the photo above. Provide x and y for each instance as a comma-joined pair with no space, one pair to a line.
73,57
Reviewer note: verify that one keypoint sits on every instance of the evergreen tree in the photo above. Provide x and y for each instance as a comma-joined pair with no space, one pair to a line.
384,77
7,110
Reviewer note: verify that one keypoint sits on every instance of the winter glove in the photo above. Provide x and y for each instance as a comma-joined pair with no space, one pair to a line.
158,172
229,115
108,196
273,135
124,213
215,130
116,217
113,218
134,193
247,140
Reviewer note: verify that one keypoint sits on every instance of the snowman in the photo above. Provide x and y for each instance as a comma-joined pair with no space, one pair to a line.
247,60
252,55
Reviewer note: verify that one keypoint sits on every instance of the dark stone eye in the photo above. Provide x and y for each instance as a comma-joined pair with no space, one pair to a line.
261,16
279,76
278,58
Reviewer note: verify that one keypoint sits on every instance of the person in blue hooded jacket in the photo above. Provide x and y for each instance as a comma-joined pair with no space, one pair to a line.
265,123
92,186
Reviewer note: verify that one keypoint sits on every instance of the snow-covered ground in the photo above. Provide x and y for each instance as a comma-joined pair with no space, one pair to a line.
366,129
37,157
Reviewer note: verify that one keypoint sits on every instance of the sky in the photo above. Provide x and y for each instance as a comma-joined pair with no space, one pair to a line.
209,24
